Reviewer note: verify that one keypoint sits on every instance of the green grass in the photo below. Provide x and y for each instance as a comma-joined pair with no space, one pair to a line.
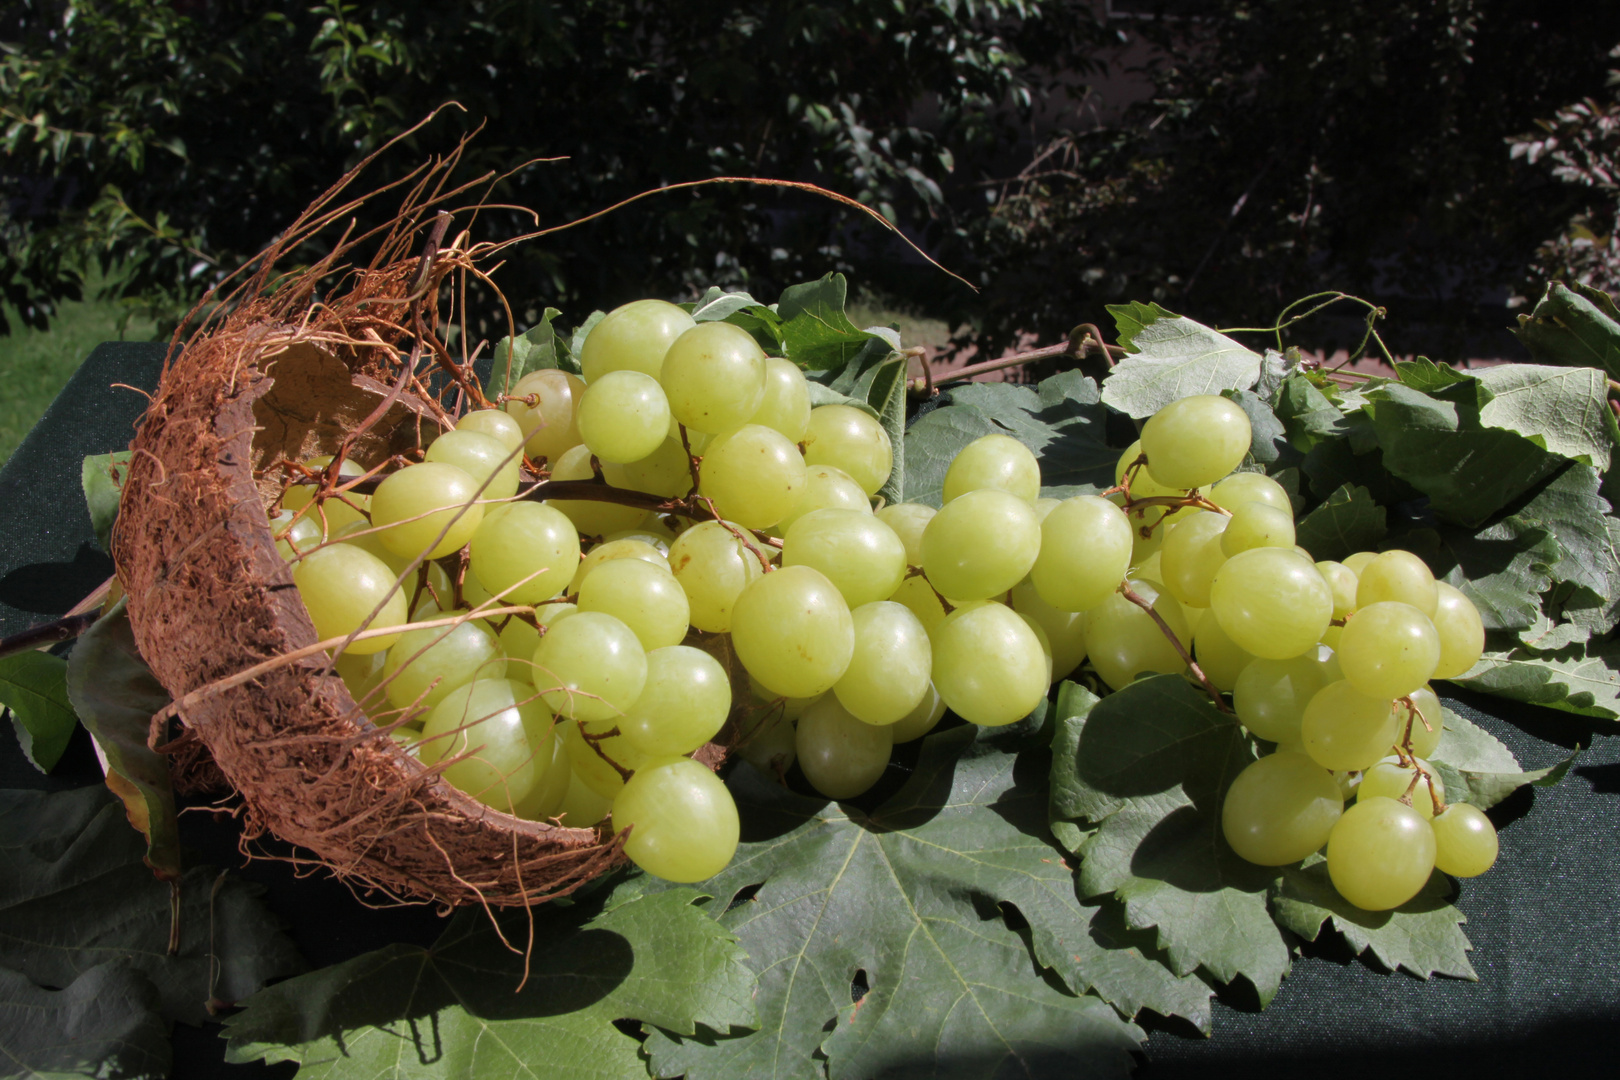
35,365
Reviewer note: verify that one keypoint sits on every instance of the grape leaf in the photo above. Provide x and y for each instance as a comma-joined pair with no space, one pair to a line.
33,685
1476,768
74,895
1503,568
1061,420
1578,678
576,342
1307,416
1564,410
1439,446
102,477
908,894
815,332
1151,768
1422,936
536,348
1173,357
455,1009
1268,443
1571,507
104,1023
1275,367
718,305
888,395
1427,376
1568,328
1348,522
115,695
1548,635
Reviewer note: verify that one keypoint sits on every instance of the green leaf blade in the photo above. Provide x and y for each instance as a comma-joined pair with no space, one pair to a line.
102,477
1174,357
33,685
1348,522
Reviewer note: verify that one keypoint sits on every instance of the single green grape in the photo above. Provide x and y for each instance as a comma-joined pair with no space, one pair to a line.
1388,649
1270,696
592,760
786,406
921,720
845,437
653,533
857,552
909,521
681,820
494,726
590,517
1465,843
1065,630
1425,736
1399,576
1246,487
1380,854
840,756
1271,601
753,475
714,376
608,550
1084,553
1195,440
591,666
793,631
1462,632
495,423
1123,641
1280,809
921,600
988,664
297,535
1345,729
683,704
1389,778
426,508
545,798
485,458
667,471
642,595
1257,524
581,805
1357,562
1191,553
551,425
1222,660
826,488
982,544
892,665
1046,646
425,665
525,551
341,586
994,461
623,416
633,337
1342,583
713,567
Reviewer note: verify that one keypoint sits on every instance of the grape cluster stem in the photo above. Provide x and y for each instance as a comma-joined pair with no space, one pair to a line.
1131,594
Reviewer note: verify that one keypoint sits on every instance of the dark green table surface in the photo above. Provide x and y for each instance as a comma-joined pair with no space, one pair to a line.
1545,922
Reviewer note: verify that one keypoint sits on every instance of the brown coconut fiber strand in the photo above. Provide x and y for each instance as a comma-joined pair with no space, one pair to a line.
275,374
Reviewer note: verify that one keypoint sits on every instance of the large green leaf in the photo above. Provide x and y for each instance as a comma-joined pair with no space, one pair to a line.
102,477
1173,357
909,895
1348,522
33,685
1579,678
1307,416
1477,768
105,1023
718,305
1564,410
1061,420
116,695
536,348
456,1010
74,895
1151,766
815,331
1571,508
1570,329
1503,568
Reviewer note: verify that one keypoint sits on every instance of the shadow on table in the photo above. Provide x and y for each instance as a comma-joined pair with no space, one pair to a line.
50,588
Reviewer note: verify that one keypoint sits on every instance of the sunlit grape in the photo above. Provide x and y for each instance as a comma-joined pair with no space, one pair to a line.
994,461
551,425
1465,843
1195,440
1380,854
846,437
633,337
1280,809
681,820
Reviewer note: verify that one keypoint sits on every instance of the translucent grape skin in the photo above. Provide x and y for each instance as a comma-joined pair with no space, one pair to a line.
1380,854
425,665
1280,809
1065,630
1222,660
981,544
1344,729
1123,641
1270,696
829,488
683,704
892,665
496,424
856,551
665,471
341,585
1425,738
1399,576
554,772
633,337
753,475
482,457
1342,583
623,416
1271,601
1244,487
644,596
793,632
498,723
1462,633
1388,649
713,568
994,461
1389,778
849,439
1257,524
921,720
714,377
1465,841
1191,553
581,805
988,665
681,820
588,763
1357,562
786,405
590,517
908,520
297,536
840,756
552,425
1195,440
525,540
609,550
591,666
421,504
1085,551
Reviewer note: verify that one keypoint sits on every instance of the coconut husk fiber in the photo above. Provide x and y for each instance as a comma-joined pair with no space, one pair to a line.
276,373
